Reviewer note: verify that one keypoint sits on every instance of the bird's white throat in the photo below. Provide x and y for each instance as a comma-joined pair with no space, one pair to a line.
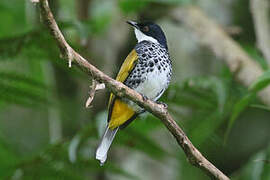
142,37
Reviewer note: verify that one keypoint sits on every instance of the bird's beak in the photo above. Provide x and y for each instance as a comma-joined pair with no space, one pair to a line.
134,24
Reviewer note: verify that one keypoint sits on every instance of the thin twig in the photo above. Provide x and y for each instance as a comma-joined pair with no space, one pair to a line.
260,10
119,89
93,88
91,93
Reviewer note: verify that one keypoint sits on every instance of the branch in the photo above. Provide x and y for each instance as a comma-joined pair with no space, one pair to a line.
93,88
260,10
119,89
245,69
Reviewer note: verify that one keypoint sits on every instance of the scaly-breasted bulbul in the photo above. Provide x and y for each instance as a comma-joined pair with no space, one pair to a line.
147,70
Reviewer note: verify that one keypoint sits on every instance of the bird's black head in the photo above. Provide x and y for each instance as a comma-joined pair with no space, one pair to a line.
150,32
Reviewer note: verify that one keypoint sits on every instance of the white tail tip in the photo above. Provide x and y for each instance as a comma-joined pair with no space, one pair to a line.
102,150
101,159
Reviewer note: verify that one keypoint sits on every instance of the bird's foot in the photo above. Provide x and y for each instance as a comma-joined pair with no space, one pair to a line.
163,104
145,98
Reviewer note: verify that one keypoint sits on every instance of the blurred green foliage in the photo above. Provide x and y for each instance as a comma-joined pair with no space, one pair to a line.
262,82
34,80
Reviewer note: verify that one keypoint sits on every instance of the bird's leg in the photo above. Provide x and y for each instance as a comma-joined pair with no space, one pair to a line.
163,104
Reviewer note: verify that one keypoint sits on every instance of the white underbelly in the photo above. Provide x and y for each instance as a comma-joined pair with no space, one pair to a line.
154,84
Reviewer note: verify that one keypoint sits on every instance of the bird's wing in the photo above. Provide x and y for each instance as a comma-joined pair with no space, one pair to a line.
119,111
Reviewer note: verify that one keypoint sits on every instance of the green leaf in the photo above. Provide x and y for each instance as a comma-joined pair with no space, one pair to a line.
266,166
15,77
258,167
204,84
260,106
256,55
189,96
146,124
134,139
22,90
53,162
238,108
206,127
261,82
255,87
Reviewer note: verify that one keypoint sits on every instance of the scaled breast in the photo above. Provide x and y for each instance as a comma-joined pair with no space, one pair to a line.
152,73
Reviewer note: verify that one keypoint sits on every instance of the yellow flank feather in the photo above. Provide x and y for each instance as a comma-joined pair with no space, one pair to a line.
127,66
125,69
121,112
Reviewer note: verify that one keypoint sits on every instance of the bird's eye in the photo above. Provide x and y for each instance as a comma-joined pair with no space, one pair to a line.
145,29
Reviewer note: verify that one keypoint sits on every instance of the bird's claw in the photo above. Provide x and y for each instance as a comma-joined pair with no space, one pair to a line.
145,98
163,104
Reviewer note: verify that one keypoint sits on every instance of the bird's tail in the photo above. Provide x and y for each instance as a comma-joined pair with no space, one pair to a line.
102,150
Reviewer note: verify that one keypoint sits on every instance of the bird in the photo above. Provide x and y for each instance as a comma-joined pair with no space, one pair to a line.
147,69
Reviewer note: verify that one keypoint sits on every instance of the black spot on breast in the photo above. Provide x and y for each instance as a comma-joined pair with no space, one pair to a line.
159,67
138,81
143,55
151,64
156,61
151,69
151,49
